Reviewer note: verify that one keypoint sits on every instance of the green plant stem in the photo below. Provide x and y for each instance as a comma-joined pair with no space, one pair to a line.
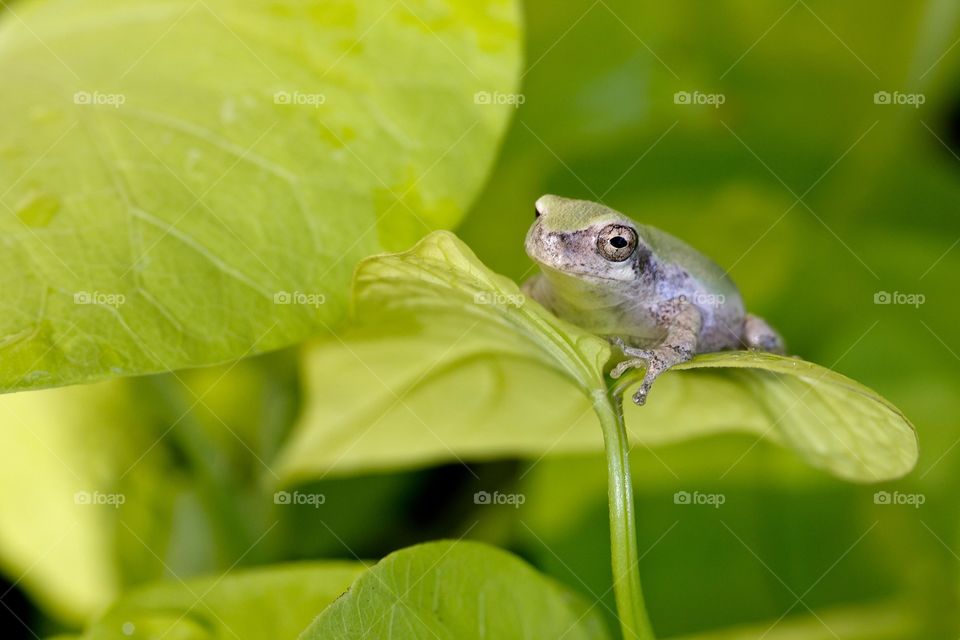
631,610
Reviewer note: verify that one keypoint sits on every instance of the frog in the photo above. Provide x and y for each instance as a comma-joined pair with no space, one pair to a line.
654,297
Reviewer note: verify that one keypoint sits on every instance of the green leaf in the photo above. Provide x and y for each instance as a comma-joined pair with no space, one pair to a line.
448,362
277,601
165,208
462,590
833,422
441,274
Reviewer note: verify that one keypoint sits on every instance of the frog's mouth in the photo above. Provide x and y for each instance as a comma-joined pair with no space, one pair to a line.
571,276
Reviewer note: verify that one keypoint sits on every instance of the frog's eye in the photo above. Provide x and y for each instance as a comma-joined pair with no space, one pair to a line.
616,242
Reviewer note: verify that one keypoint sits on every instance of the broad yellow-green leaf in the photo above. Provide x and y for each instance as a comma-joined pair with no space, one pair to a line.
185,183
449,362
456,590
833,422
267,603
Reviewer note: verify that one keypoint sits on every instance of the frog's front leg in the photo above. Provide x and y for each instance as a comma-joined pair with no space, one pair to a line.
683,322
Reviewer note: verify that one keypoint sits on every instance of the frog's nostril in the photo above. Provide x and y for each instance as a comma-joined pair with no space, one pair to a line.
536,212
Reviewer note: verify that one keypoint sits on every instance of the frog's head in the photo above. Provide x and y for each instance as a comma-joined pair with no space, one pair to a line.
585,240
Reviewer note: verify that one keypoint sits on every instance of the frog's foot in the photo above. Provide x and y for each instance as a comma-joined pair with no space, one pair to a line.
641,359
654,361
760,336
678,346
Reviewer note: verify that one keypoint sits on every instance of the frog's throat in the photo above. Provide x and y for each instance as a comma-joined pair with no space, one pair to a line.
588,292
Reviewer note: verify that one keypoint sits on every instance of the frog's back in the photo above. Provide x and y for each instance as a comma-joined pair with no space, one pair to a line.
703,281
707,273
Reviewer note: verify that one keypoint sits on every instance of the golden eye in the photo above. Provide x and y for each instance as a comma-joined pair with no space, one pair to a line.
616,242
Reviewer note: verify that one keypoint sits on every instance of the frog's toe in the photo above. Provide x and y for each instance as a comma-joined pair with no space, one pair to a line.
639,362
758,335
623,367
640,395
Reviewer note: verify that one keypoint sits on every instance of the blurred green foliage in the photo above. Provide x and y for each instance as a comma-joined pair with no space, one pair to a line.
287,598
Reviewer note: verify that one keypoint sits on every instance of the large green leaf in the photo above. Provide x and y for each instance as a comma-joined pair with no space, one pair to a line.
258,604
450,362
188,182
456,591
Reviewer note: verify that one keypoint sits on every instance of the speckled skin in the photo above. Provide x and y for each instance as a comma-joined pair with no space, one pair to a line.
662,305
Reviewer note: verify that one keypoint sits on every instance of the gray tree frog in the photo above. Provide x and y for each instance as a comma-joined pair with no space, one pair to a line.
650,294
